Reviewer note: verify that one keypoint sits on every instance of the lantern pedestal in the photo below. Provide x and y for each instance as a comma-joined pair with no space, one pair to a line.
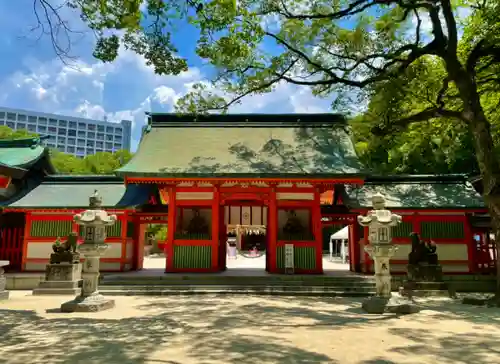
90,299
3,281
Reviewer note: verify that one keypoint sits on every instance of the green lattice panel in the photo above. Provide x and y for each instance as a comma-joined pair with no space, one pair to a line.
304,257
192,256
46,228
442,230
402,230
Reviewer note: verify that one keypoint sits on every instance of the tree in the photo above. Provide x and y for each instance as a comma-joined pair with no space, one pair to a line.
144,27
8,133
439,145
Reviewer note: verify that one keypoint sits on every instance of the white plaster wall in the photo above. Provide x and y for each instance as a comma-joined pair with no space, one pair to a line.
39,250
109,266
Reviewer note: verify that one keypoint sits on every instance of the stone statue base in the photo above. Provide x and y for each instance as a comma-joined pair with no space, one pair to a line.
61,279
93,303
65,257
393,304
425,272
3,281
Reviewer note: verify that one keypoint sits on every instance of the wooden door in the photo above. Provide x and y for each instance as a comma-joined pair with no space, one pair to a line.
12,239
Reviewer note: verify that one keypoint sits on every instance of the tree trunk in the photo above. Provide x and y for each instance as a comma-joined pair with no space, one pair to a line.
484,148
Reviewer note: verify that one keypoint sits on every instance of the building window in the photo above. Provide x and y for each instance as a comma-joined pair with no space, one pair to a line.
52,129
80,142
81,134
72,124
72,132
100,136
99,150
2,114
109,129
80,151
90,143
42,129
52,138
109,145
91,135
21,117
82,125
32,119
42,121
51,145
11,125
117,146
71,149
118,131
109,138
61,131
118,139
21,125
52,122
99,145
72,141
101,128
63,123
32,128
60,147
11,116
91,127
61,140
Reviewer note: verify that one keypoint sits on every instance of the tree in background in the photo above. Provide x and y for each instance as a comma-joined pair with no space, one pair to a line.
98,163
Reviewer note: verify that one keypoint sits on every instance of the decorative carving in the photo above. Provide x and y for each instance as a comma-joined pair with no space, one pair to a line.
65,252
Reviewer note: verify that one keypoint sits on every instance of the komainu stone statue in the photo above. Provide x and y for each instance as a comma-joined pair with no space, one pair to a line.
423,262
65,252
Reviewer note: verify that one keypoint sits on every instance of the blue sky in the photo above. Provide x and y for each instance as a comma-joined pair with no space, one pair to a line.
33,78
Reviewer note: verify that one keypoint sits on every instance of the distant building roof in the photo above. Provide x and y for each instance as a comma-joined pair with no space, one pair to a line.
417,192
66,191
239,145
24,153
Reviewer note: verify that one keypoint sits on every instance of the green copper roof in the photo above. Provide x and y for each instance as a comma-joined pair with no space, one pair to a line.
72,192
316,145
415,194
21,152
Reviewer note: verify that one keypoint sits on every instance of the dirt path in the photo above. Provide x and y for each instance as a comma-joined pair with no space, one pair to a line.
244,330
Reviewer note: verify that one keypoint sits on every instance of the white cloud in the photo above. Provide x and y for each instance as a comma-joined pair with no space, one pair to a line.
126,89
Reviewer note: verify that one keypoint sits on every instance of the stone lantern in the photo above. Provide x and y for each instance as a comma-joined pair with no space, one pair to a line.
94,222
3,281
380,222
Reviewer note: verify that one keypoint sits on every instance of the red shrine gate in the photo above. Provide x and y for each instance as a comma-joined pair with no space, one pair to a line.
201,247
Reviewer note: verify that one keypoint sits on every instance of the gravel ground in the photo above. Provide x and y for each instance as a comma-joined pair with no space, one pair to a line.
244,330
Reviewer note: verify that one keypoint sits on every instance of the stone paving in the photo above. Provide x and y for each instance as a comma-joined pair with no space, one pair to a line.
244,330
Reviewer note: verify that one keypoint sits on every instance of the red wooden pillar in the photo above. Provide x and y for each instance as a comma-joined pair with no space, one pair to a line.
27,233
318,235
272,231
215,229
354,248
469,240
172,212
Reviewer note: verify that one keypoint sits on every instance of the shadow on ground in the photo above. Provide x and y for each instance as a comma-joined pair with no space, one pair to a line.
214,331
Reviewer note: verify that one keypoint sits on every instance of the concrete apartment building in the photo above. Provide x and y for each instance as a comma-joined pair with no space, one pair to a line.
72,135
